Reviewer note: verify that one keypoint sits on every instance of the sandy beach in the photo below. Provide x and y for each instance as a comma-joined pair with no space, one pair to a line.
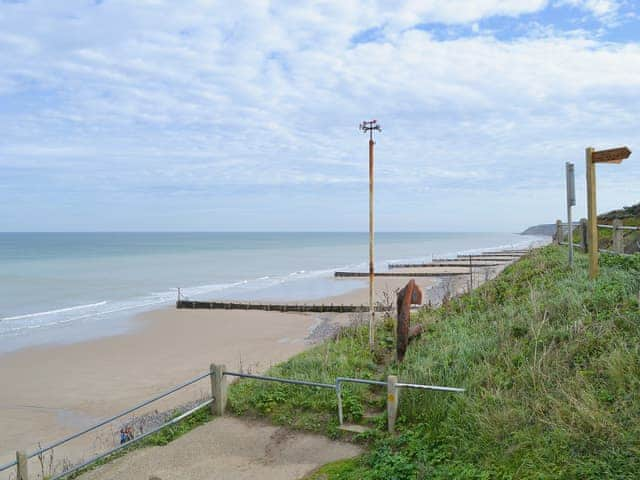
57,390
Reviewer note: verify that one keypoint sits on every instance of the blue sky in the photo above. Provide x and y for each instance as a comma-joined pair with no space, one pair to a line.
205,115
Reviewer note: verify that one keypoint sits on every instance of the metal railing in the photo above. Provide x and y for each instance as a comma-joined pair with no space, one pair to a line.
337,387
280,380
430,387
134,440
140,405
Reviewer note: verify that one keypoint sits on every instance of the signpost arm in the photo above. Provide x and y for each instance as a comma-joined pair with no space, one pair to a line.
592,214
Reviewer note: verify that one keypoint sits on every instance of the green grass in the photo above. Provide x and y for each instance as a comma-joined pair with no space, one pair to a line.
550,361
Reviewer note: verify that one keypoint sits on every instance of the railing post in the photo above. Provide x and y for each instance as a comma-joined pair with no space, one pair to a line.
339,395
558,237
22,468
392,402
218,389
584,243
618,239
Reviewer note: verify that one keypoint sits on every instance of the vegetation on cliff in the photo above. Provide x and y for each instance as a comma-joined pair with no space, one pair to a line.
550,361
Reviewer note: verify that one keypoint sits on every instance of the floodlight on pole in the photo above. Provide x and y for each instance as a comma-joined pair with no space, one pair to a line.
369,126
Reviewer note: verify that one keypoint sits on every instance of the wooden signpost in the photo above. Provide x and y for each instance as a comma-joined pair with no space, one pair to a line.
613,155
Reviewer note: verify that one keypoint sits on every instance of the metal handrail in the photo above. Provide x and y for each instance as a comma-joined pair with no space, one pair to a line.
281,380
360,380
8,465
136,439
339,380
430,387
115,417
337,387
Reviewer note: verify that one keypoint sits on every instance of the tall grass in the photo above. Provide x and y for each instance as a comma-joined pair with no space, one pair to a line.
550,361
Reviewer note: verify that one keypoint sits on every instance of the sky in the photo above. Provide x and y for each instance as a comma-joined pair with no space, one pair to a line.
151,115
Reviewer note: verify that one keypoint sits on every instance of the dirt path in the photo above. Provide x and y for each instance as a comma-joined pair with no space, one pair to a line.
229,448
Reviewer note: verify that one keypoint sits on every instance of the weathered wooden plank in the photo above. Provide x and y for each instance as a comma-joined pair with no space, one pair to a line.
400,274
203,305
452,263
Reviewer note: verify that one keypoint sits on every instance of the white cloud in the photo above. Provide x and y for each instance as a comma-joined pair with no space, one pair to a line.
212,95
597,7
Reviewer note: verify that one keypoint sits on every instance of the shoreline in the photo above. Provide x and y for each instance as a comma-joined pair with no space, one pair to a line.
56,390
74,319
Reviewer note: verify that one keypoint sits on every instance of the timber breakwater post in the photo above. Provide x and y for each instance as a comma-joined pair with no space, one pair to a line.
269,307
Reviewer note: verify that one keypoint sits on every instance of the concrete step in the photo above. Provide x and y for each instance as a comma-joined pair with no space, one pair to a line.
350,427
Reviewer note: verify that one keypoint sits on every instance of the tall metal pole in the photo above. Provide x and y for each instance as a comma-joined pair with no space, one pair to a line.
370,126
571,201
592,215
372,309
570,222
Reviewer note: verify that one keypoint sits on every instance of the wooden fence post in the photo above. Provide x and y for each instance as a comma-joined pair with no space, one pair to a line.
218,389
392,402
558,237
584,243
618,239
22,468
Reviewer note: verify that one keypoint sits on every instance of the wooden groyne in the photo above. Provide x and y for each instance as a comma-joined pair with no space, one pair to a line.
465,260
272,307
520,252
442,264
400,274
492,255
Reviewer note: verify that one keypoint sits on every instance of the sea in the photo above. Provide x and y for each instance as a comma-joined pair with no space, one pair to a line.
69,287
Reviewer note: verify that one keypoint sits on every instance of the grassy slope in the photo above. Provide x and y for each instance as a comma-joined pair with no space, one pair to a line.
551,362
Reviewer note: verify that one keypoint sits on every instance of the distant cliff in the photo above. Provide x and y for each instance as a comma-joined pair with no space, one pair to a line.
548,229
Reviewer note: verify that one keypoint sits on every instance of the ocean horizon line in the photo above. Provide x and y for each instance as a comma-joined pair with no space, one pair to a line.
248,231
